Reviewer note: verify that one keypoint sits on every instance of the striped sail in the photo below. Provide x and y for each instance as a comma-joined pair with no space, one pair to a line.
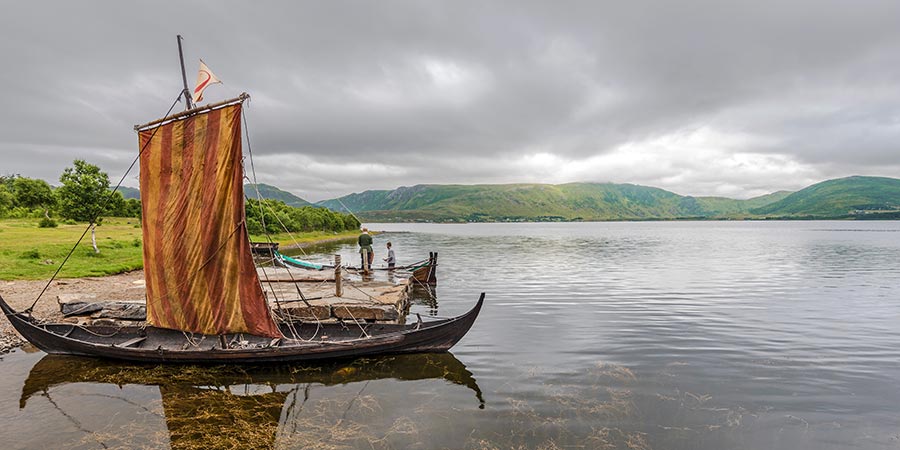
197,263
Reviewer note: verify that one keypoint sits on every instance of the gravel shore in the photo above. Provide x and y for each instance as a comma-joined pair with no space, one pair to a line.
20,295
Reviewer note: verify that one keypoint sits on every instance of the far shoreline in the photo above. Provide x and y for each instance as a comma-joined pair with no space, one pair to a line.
340,237
680,219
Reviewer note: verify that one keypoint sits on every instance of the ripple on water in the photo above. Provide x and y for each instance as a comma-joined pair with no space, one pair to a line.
690,335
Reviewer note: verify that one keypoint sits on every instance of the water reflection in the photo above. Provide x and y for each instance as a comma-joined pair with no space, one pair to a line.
244,407
424,295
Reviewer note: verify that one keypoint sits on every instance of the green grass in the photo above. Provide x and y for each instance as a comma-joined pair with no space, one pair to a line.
28,252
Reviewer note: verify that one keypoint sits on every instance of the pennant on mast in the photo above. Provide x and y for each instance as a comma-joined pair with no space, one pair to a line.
205,77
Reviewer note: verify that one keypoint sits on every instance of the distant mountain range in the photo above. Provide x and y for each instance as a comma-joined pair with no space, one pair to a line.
852,197
265,190
271,192
129,192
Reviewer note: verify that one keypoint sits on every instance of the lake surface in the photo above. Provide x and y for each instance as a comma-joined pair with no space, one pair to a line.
660,335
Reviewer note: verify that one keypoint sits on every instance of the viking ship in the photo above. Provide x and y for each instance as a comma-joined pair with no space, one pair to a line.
204,299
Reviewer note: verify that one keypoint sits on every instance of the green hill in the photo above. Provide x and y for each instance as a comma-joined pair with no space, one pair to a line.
273,193
266,190
853,197
539,202
842,197
130,192
729,207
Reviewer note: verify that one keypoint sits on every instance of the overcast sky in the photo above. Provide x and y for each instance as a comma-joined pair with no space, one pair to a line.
697,97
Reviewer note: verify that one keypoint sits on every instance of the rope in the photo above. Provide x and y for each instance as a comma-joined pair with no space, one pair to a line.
190,339
100,210
99,334
283,226
262,218
348,210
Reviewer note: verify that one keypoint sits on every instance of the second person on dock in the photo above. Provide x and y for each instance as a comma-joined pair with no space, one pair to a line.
391,260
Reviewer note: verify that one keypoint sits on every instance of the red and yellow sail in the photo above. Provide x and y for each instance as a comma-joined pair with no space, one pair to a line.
197,262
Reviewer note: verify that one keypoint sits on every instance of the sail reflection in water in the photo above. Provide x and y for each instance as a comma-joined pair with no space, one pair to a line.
248,407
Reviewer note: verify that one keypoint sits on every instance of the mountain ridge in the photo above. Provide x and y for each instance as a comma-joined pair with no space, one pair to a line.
838,198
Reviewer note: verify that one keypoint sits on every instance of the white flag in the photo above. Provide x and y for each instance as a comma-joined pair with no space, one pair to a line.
204,79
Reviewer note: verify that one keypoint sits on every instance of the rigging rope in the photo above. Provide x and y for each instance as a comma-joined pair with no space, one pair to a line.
289,323
262,220
102,207
348,210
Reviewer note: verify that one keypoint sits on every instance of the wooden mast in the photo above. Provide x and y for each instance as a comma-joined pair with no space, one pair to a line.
186,92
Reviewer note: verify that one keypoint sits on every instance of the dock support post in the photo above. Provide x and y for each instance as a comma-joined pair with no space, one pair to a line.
432,267
338,287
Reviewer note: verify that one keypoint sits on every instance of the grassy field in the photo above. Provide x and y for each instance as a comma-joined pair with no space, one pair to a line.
31,253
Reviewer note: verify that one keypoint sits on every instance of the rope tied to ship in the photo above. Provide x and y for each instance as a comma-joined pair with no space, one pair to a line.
99,211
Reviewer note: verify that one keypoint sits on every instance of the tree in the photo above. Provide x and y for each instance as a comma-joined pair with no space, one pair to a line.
115,205
84,191
33,193
133,208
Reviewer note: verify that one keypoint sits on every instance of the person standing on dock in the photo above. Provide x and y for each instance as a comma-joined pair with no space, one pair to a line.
391,261
366,253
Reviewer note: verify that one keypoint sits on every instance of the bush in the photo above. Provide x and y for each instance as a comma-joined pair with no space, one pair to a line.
21,212
47,222
31,254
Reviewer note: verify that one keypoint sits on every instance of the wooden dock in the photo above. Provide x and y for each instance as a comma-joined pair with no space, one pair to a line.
383,299
369,300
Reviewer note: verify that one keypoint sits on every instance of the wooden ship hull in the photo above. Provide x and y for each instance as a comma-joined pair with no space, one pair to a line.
427,273
302,341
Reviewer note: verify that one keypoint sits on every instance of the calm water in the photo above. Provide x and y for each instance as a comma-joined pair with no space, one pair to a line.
706,335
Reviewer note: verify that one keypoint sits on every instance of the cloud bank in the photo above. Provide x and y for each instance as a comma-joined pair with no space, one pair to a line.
698,97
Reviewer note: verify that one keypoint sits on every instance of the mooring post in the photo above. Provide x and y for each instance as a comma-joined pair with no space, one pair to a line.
432,274
338,288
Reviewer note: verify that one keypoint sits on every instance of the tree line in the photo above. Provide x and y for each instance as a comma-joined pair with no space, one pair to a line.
84,194
274,216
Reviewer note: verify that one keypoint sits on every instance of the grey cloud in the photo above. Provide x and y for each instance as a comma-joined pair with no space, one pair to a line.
340,82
